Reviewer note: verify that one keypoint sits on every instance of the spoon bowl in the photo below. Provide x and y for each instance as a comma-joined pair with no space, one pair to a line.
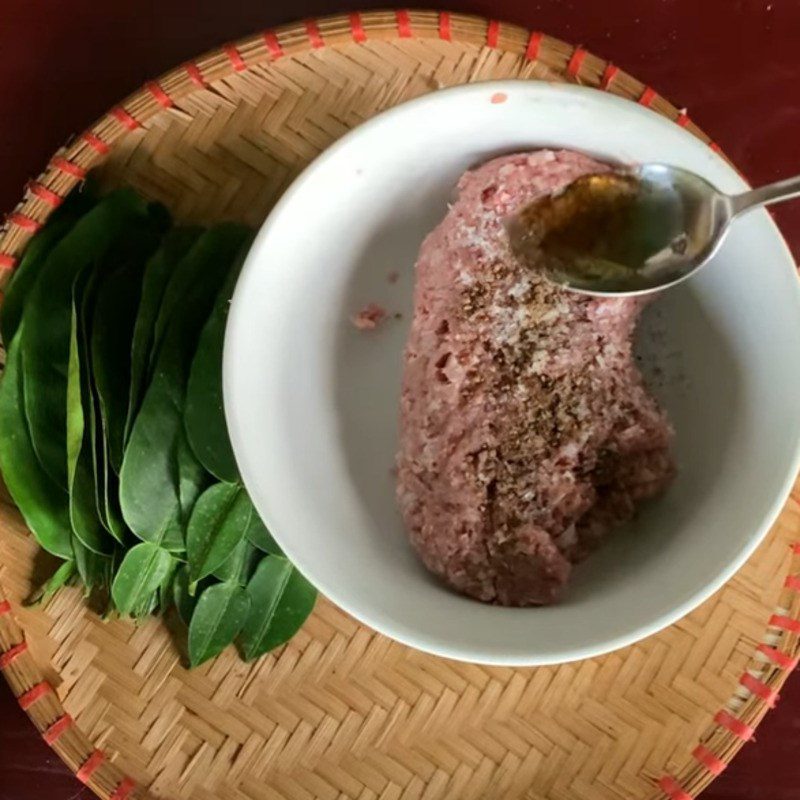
631,232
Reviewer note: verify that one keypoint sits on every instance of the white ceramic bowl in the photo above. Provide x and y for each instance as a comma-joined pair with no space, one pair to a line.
312,403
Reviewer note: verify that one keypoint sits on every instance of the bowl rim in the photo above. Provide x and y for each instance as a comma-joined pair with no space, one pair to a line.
381,622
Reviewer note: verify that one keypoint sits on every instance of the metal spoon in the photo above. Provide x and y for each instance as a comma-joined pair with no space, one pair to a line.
634,231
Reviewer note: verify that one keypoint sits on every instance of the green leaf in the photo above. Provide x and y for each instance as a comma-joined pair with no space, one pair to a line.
43,503
149,486
240,565
147,607
166,591
193,480
91,407
160,476
157,273
217,525
217,619
215,250
181,596
83,510
115,317
105,482
27,271
114,520
61,577
94,569
47,316
112,330
258,534
280,601
205,415
141,573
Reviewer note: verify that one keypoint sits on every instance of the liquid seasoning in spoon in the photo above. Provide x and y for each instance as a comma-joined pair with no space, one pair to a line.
605,231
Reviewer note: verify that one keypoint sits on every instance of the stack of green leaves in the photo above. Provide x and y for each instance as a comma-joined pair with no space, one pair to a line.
112,433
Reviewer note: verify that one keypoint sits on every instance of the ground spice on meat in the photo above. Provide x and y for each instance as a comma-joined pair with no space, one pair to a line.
527,433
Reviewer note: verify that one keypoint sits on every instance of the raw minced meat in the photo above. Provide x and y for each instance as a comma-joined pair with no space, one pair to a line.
369,317
527,433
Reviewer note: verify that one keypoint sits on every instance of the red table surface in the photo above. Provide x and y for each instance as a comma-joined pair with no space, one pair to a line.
735,64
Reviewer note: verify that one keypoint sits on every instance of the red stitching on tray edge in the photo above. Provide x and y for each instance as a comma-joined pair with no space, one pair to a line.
23,221
313,33
12,654
57,729
648,97
673,789
534,43
576,61
96,143
90,766
124,118
444,26
492,33
27,699
50,197
711,761
357,28
778,657
760,689
235,57
403,24
195,74
738,728
609,73
273,45
792,582
68,167
161,97
784,623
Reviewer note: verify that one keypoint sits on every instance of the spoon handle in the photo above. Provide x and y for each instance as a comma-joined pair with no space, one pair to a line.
771,193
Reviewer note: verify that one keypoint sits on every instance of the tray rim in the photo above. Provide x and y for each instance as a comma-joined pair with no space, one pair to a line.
70,165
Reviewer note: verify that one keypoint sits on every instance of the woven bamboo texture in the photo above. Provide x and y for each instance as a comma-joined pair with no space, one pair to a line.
342,712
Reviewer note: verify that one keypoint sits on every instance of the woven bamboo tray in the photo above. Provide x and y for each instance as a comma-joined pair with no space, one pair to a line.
342,712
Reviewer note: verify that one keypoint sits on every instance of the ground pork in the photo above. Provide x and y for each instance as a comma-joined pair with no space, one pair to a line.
527,433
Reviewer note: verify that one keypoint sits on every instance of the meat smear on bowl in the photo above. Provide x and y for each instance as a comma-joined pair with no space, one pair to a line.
527,433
